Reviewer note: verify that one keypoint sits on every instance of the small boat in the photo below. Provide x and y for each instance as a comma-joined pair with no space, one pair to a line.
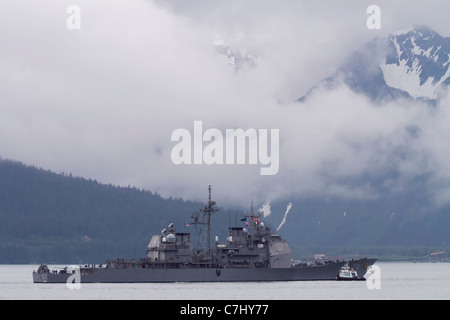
348,274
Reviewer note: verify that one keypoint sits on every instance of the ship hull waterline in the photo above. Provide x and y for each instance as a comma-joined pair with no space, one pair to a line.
145,275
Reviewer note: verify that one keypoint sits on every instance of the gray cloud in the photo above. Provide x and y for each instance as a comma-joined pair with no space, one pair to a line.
102,102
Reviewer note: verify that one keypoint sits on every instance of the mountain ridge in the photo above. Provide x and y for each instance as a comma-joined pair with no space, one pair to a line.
45,216
58,218
412,63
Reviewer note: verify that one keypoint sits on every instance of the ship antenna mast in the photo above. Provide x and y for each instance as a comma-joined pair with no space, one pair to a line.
252,218
203,226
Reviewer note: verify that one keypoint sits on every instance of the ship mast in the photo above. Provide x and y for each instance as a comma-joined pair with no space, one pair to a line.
253,221
203,225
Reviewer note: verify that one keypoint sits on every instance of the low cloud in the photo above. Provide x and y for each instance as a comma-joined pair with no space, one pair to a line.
288,208
265,210
101,102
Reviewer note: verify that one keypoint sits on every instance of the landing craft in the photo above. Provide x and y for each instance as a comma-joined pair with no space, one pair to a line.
251,253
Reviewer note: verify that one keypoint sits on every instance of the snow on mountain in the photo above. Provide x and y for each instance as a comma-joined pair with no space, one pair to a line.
420,63
410,63
236,59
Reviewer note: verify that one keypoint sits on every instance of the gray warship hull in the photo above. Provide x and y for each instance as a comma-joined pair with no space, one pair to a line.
251,252
325,272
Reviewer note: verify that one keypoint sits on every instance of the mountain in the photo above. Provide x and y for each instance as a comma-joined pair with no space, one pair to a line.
413,63
397,220
236,59
59,218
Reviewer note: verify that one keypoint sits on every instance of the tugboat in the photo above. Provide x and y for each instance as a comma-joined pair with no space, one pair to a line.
250,253
348,274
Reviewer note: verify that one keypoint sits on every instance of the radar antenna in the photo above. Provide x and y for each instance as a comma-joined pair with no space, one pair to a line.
203,226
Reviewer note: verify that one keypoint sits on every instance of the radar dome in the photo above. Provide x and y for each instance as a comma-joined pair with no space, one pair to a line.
171,238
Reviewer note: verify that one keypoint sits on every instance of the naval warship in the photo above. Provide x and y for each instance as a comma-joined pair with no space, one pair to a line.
251,252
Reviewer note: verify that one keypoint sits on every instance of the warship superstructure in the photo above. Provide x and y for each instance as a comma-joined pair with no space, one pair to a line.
250,253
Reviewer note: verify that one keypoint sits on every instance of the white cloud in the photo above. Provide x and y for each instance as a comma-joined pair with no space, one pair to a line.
102,102
288,208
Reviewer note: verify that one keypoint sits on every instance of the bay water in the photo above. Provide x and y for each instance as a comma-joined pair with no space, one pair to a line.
398,281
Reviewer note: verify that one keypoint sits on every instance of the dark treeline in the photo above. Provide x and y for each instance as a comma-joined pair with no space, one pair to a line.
48,217
59,218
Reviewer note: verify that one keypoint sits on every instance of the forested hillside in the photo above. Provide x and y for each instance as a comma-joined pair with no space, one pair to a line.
48,217
59,218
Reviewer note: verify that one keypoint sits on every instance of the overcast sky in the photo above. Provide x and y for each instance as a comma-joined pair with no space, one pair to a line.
101,102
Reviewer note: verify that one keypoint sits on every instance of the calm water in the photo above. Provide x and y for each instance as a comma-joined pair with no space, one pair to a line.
398,281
